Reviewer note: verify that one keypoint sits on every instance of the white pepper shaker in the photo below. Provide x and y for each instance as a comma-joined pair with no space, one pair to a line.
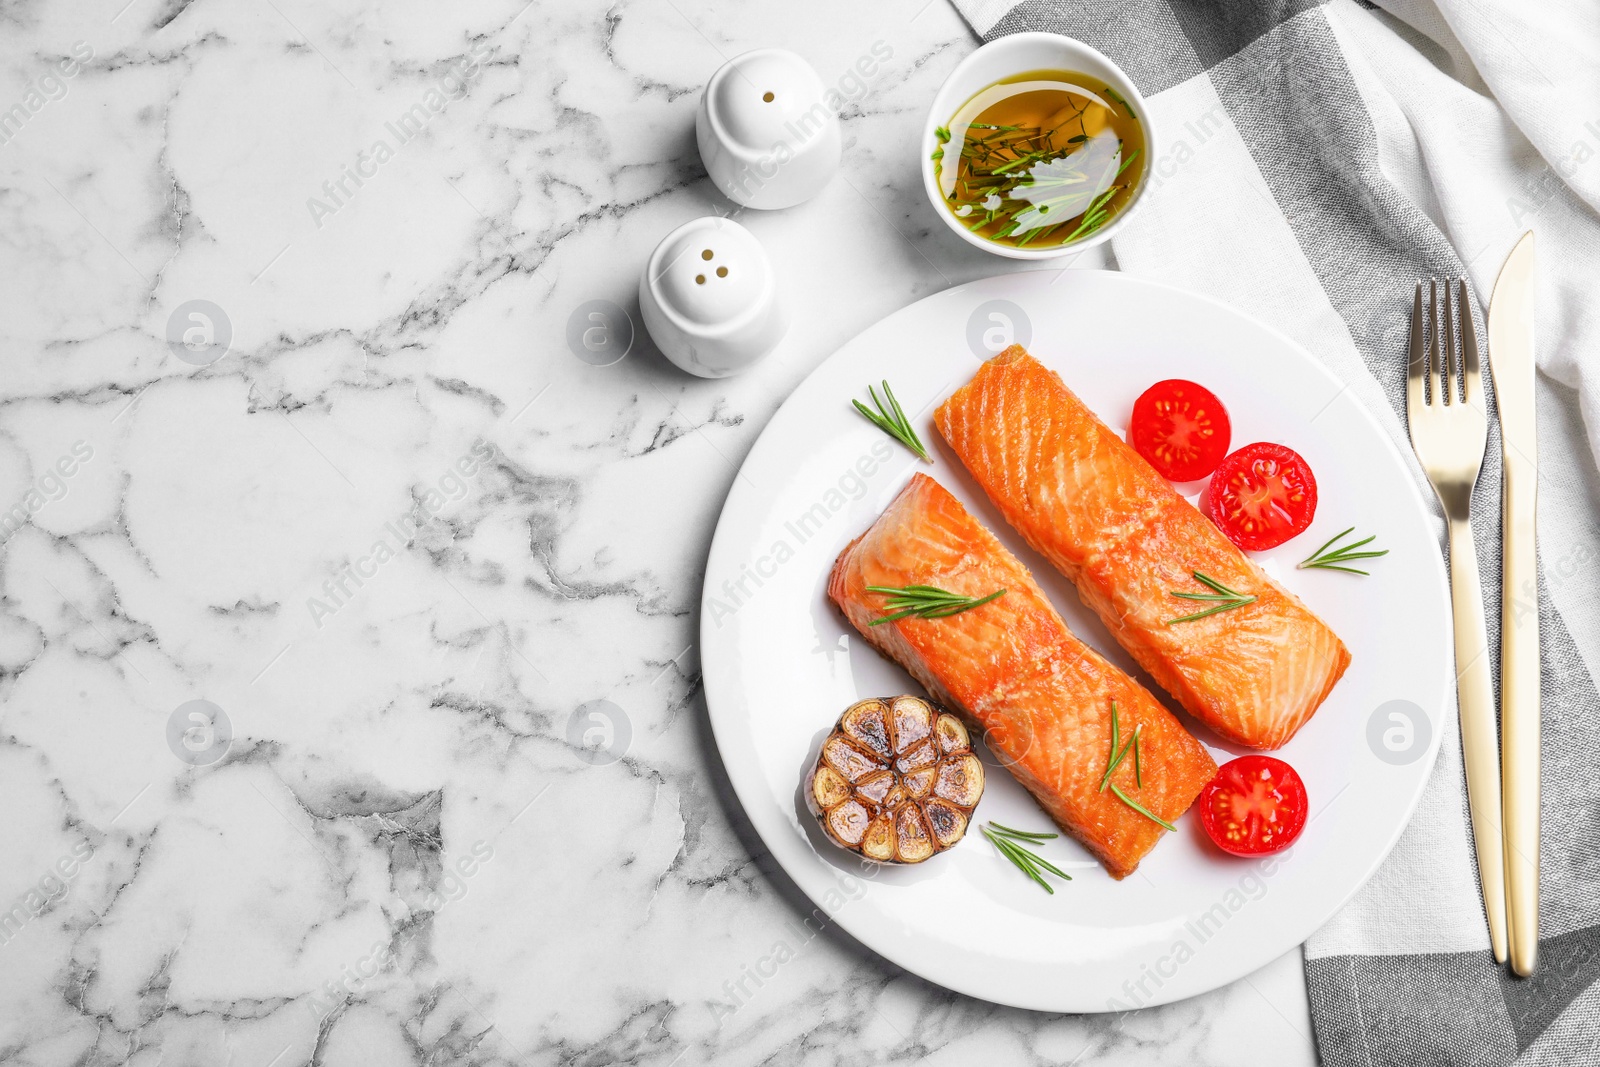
767,135
710,299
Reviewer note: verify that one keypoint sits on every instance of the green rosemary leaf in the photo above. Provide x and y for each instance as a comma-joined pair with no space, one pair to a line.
965,605
1049,229
1030,863
1020,859
896,617
1225,599
1023,860
891,419
1214,584
925,602
1333,558
1116,761
1020,161
1094,217
1115,735
1142,810
1208,612
1112,93
1031,835
900,418
1039,861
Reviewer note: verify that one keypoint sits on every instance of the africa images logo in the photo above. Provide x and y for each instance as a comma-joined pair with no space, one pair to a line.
199,733
1398,732
599,332
199,332
599,733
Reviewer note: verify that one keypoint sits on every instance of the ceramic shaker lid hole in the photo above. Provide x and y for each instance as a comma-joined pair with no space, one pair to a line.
760,94
767,131
709,276
709,297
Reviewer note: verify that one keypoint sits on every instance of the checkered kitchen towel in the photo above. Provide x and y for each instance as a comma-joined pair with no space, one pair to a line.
1317,160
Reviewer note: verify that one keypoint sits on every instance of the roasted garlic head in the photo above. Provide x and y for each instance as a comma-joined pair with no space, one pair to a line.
896,781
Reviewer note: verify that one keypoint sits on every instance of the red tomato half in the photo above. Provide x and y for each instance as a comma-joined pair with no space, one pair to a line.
1262,495
1181,428
1255,805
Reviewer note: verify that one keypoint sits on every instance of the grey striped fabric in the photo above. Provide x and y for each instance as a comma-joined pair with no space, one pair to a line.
1287,86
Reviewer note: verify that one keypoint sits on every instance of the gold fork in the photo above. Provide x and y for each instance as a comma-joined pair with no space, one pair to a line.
1449,429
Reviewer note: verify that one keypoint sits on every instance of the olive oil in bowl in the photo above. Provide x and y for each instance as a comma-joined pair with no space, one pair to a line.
1040,160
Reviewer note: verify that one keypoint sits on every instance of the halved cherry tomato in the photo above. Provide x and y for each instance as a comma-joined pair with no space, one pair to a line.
1262,495
1181,428
1255,805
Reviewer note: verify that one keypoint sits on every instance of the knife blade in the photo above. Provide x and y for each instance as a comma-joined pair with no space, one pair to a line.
1511,359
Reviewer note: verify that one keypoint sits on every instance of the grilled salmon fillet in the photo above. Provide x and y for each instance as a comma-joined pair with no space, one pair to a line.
1090,504
1041,697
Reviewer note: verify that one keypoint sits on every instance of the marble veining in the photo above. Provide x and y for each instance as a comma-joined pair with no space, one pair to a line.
449,795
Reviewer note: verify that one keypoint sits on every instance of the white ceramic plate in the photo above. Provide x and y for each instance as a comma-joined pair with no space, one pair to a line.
780,664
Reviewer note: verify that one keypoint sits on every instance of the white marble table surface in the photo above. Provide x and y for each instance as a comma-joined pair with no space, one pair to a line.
414,549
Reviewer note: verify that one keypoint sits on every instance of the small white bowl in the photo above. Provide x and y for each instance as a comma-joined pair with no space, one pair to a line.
1006,57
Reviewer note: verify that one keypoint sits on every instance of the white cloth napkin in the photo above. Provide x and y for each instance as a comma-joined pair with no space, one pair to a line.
1318,159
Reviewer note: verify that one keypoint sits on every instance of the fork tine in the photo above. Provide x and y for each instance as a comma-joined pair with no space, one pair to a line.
1433,343
1448,377
1417,368
1470,376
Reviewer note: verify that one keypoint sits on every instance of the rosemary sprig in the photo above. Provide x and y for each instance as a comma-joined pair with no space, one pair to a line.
1225,599
1334,560
1013,846
1138,773
926,602
891,419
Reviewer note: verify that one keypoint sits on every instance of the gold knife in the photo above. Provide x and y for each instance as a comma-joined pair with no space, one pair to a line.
1511,359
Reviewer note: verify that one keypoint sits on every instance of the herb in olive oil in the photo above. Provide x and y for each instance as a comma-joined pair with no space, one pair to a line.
1040,160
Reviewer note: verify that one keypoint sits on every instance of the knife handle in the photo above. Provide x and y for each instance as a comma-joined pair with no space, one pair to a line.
1519,705
1475,693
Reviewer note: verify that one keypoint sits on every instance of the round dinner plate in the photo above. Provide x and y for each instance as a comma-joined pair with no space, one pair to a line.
780,663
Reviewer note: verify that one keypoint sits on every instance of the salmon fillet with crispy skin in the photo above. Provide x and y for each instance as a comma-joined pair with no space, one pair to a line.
1041,697
1105,518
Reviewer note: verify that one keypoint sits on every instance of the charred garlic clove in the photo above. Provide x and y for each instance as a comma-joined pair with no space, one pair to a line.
896,781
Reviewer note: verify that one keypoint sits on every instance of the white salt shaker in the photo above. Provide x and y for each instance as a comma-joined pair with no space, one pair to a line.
767,135
709,298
